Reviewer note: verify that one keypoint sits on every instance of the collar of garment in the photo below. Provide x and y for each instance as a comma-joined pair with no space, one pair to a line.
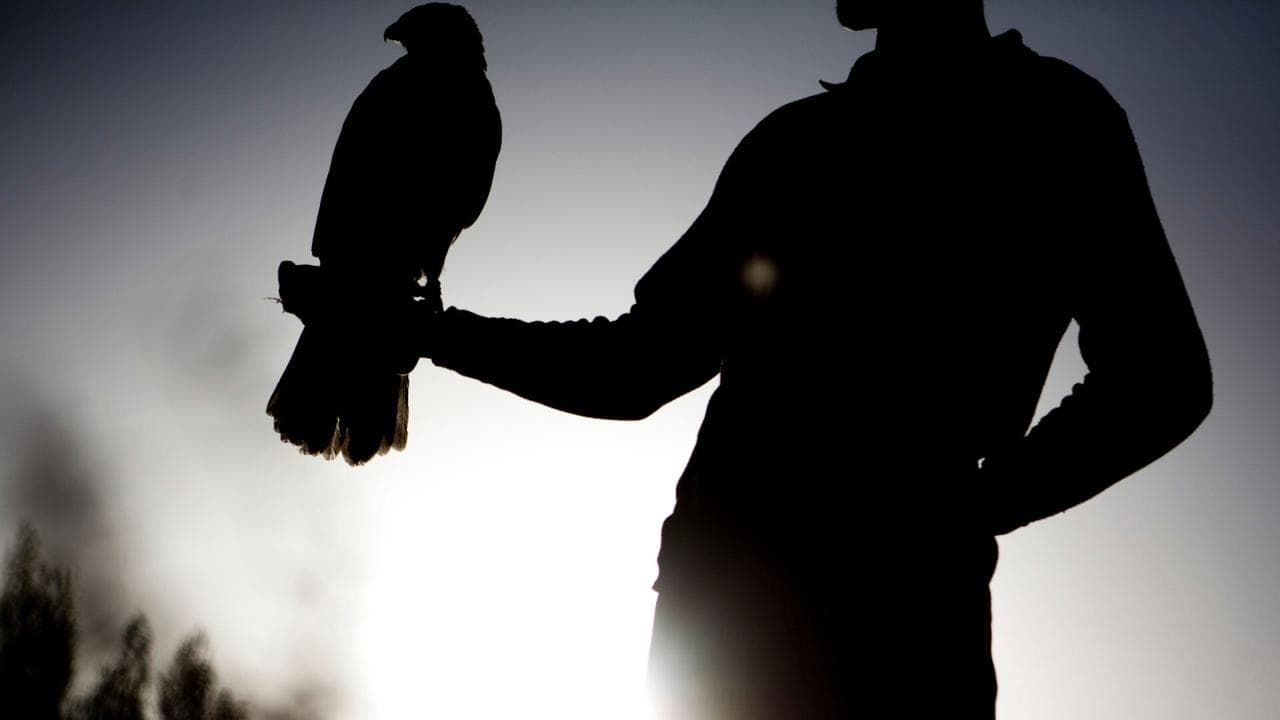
877,64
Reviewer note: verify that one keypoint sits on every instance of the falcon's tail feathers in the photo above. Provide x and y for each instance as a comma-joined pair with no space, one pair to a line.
373,415
302,405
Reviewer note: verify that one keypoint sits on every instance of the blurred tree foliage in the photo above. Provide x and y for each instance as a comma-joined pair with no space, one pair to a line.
188,691
120,692
37,656
37,632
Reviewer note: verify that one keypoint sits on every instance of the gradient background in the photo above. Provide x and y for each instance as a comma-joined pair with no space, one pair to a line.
160,158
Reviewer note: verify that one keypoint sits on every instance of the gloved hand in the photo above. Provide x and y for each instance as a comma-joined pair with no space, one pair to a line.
395,325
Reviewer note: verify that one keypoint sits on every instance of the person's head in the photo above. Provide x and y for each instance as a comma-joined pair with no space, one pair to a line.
873,14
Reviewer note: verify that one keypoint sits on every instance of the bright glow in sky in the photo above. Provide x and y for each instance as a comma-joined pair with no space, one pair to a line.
161,158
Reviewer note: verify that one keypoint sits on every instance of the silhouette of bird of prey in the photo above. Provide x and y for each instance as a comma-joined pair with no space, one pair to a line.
411,169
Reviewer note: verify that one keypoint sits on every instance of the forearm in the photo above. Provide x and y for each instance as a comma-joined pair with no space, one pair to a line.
1149,383
1108,428
622,369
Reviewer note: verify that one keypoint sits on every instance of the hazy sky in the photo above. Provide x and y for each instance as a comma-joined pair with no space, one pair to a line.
160,158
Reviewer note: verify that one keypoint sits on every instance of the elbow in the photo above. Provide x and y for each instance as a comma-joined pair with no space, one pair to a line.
1192,400
642,394
631,409
1200,401
637,413
1178,381
603,402
1199,394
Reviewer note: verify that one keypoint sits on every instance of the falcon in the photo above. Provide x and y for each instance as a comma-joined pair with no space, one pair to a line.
412,168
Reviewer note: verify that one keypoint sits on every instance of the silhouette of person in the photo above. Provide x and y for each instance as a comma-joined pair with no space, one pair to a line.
880,279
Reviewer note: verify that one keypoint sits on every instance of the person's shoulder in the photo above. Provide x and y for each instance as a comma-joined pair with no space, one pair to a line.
789,126
1063,83
780,138
800,113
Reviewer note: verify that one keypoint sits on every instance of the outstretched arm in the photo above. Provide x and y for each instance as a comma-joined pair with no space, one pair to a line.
620,369
624,369
1148,384
670,342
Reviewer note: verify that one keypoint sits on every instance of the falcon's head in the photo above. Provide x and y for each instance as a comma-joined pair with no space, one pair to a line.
439,29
